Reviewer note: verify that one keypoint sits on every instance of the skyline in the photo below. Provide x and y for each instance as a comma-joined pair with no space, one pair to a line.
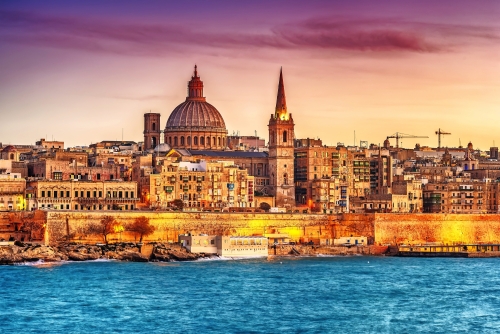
83,72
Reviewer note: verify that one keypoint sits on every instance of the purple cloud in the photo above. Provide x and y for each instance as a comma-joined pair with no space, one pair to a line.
375,35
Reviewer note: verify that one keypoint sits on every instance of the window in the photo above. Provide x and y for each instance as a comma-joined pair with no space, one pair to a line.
284,136
43,193
182,140
154,126
98,176
202,140
175,141
57,175
49,194
195,140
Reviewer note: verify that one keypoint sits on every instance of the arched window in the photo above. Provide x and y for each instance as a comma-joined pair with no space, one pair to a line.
272,137
189,140
218,141
202,141
175,141
285,179
195,140
182,140
208,141
154,126
170,141
12,156
284,136
213,141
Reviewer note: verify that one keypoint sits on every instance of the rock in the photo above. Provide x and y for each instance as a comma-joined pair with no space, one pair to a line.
133,256
160,257
182,256
77,256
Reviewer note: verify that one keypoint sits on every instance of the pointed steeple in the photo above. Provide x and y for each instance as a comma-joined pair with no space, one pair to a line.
281,111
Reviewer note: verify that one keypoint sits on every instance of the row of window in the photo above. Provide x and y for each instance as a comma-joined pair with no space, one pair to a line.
183,140
111,194
81,207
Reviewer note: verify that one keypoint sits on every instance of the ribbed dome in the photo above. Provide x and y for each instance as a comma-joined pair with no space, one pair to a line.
192,113
196,112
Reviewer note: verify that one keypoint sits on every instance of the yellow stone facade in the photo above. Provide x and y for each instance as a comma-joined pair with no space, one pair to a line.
83,195
202,184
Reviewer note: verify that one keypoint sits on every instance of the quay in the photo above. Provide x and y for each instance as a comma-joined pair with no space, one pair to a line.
462,250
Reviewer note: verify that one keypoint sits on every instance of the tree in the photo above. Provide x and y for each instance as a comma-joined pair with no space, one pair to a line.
177,203
142,227
105,226
265,206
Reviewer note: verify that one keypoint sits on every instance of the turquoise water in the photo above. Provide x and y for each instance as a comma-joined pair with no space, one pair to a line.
293,295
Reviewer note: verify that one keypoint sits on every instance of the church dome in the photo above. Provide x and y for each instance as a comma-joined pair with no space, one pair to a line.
195,111
195,114
195,123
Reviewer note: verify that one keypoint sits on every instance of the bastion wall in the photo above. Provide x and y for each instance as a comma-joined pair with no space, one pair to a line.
383,228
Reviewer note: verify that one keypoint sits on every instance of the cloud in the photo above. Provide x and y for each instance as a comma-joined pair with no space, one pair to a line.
330,34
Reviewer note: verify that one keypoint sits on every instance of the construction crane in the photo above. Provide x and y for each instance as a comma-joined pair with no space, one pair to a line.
399,135
439,132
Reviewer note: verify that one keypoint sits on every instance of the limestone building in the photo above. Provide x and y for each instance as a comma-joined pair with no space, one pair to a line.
213,185
195,130
82,195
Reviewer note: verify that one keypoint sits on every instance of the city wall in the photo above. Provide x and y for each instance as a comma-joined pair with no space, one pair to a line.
381,228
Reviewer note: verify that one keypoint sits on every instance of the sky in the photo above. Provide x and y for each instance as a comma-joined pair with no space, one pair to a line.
87,71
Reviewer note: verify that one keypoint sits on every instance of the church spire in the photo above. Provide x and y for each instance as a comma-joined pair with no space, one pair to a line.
281,111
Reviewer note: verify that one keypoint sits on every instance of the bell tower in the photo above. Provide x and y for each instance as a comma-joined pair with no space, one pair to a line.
151,130
281,144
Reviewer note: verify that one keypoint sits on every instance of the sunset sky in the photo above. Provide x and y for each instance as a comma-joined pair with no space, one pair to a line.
83,72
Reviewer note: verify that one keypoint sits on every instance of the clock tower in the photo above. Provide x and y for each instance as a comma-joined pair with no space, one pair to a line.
281,144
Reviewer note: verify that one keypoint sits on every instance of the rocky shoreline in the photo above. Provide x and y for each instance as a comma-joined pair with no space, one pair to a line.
25,253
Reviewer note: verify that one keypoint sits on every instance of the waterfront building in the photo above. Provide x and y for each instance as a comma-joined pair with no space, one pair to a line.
226,246
82,195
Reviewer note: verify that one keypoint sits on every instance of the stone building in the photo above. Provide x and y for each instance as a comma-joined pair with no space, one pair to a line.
152,130
457,195
196,130
82,195
12,192
211,185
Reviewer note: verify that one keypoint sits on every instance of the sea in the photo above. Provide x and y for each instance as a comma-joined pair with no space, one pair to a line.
356,294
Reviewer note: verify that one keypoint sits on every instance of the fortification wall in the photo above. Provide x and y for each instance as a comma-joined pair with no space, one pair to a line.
381,228
445,228
168,225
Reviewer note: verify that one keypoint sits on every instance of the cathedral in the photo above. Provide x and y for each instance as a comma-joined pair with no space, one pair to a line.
196,130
